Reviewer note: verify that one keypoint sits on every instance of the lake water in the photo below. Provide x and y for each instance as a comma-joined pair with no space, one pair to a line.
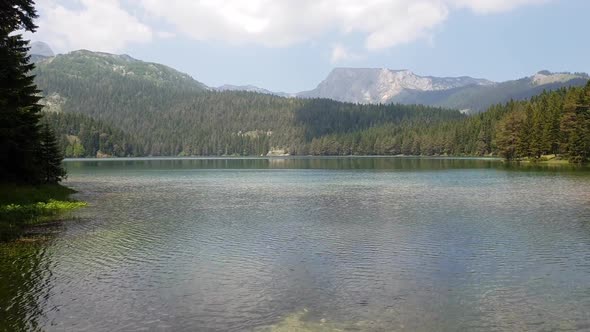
359,244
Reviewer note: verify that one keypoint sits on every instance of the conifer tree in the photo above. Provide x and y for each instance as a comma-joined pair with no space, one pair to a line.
508,135
568,122
19,112
49,155
19,97
18,103
579,149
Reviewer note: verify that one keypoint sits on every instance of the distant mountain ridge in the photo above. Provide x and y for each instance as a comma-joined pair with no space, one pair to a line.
355,85
104,104
384,86
380,85
39,51
474,99
87,64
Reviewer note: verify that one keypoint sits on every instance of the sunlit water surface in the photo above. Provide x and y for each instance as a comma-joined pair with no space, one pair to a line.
376,244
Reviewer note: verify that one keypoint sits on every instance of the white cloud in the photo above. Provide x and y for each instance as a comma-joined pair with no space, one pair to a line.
101,25
165,34
106,25
274,23
342,54
495,6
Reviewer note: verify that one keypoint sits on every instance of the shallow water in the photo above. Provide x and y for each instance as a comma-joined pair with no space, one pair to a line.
309,244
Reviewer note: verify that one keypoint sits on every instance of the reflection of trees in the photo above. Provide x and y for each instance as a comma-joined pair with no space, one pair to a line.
24,273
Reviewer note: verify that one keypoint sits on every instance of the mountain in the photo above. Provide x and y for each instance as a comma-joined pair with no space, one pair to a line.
355,85
478,98
41,48
83,65
39,51
251,88
379,85
113,105
105,104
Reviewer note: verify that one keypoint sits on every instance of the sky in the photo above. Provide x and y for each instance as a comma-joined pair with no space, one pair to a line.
291,45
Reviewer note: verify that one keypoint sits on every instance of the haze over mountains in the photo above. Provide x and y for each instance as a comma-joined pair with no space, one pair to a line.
365,85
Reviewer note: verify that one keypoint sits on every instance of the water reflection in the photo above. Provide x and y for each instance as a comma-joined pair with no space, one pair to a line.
376,163
24,284
309,244
345,163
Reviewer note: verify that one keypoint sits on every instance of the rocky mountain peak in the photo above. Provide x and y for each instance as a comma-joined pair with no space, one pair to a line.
382,85
40,48
546,77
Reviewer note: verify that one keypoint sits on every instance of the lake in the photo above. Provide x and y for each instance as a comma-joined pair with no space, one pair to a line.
288,244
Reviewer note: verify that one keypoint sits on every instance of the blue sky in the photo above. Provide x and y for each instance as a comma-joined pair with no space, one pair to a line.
291,45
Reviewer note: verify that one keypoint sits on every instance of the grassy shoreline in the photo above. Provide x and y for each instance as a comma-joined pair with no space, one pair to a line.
25,206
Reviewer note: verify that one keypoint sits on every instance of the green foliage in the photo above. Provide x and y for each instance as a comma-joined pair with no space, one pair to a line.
25,205
22,152
83,136
50,158
543,125
17,15
36,212
19,112
509,137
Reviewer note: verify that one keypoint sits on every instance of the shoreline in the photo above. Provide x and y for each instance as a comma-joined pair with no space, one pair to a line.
280,157
25,207
543,161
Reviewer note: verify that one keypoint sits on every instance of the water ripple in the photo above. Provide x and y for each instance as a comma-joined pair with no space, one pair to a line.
233,250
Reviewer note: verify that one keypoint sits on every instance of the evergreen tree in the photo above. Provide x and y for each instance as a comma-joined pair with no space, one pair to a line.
568,122
525,135
509,134
51,169
579,147
19,97
17,15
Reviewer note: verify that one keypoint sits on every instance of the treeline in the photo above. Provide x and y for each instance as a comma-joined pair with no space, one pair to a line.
82,136
243,123
552,123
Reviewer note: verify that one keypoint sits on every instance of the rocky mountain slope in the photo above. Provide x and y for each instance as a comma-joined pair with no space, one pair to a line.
379,85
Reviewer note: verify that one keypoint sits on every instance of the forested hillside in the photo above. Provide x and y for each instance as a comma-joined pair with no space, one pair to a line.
114,105
104,105
553,123
83,136
223,123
